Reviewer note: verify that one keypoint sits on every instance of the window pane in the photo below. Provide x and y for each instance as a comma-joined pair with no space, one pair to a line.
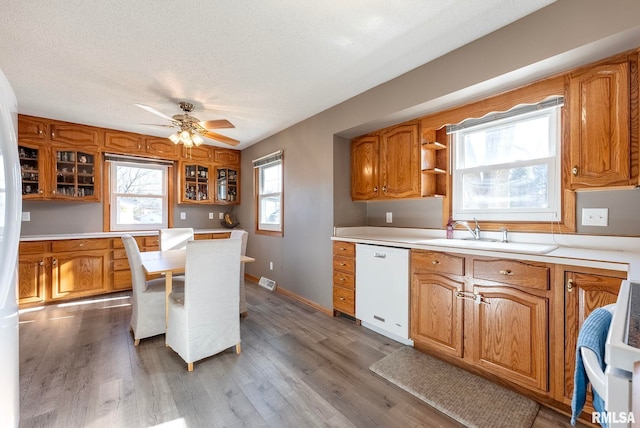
139,180
270,210
270,180
139,210
512,188
509,142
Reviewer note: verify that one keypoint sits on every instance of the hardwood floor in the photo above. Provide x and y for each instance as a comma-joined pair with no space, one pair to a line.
298,368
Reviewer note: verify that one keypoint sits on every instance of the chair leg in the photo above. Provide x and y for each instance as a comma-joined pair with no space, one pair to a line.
238,350
190,367
136,342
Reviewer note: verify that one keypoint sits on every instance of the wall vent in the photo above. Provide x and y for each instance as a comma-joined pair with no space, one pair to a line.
267,283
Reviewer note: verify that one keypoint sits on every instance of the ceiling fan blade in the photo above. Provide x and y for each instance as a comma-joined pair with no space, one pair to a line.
221,138
216,124
154,111
157,124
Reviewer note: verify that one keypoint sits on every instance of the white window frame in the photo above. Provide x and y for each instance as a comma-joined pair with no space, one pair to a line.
550,214
113,196
259,166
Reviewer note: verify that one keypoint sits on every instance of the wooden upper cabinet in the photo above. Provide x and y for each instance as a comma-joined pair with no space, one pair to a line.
400,161
74,134
123,142
31,128
601,103
226,156
364,167
197,153
386,165
161,147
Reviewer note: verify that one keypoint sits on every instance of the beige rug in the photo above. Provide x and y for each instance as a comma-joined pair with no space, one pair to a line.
467,398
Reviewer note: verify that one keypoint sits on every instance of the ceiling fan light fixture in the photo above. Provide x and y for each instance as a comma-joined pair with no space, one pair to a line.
197,139
175,138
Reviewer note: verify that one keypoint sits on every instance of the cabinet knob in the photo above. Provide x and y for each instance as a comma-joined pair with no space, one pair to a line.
384,189
55,262
435,262
506,272
41,263
341,298
574,170
570,285
375,189
342,264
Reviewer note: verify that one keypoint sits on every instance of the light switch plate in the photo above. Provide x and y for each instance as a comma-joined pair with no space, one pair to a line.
389,217
183,216
210,216
26,216
595,216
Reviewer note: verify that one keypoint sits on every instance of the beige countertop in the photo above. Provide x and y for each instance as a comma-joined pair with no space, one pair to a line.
93,235
604,252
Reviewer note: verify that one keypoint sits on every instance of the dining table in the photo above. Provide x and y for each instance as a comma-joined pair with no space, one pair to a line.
170,262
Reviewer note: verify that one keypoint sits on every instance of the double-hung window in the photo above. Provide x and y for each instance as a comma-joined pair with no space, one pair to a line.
507,165
138,195
268,182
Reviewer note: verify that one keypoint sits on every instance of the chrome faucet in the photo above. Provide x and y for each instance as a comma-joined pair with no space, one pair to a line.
475,232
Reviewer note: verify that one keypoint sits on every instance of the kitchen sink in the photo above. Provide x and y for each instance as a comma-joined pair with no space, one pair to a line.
510,247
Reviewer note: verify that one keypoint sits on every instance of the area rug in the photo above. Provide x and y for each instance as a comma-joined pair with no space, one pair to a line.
467,398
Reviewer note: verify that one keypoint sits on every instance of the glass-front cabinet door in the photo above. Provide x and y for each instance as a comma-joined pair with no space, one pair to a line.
32,170
227,186
195,184
75,175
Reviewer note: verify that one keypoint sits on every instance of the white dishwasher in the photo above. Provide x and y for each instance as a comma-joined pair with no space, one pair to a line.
382,290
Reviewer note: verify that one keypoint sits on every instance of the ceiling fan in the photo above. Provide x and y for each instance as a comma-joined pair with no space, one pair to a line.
191,129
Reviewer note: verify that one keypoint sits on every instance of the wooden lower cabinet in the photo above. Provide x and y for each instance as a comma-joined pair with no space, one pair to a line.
33,268
80,268
513,321
344,274
584,290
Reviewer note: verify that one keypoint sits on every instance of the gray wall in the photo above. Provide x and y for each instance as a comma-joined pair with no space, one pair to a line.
563,35
52,217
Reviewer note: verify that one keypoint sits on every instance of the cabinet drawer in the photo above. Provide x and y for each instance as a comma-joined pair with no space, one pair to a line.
344,279
345,249
433,261
79,244
38,247
120,254
513,272
151,243
344,300
344,264
121,264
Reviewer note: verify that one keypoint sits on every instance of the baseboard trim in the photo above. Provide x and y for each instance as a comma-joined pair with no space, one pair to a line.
294,296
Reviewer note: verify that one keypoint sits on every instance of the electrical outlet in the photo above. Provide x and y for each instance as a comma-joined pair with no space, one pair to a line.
26,216
210,216
389,217
595,216
220,216
270,265
183,216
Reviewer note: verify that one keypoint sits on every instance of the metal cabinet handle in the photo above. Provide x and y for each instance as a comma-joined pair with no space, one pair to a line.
375,189
55,262
570,285
506,272
342,264
384,189
341,298
574,170
435,262
41,263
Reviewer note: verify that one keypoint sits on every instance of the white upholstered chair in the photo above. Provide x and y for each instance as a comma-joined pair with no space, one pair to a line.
148,297
175,238
204,320
244,236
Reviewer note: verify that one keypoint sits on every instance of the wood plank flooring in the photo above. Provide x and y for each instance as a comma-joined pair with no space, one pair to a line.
298,368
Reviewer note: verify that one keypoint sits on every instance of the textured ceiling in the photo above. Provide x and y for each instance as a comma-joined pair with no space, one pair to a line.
263,65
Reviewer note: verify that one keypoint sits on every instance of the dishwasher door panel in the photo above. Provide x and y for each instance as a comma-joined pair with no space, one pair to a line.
382,289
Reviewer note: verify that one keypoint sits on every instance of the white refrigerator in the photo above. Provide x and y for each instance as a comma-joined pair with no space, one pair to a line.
10,217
